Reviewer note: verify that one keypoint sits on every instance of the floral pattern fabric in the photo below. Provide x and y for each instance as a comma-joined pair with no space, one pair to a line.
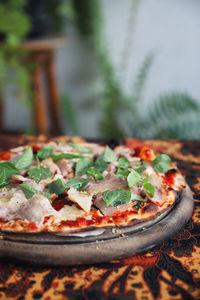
169,271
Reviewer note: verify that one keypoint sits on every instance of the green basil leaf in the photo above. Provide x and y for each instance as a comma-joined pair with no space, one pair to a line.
149,188
39,173
133,178
24,160
162,163
9,169
77,183
123,163
138,204
65,156
29,191
45,152
116,197
100,165
82,164
96,174
56,187
78,147
3,179
109,155
2,176
122,172
141,169
145,180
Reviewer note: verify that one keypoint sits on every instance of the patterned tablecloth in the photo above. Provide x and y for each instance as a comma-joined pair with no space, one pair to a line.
169,271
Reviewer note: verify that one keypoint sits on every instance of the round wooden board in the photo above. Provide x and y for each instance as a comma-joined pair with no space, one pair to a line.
55,250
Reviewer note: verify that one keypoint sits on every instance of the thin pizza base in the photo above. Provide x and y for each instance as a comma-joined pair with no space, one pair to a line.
150,213
55,250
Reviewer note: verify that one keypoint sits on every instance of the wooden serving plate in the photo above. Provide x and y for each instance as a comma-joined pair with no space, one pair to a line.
114,243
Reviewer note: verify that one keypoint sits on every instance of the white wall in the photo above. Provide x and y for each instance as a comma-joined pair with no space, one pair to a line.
168,27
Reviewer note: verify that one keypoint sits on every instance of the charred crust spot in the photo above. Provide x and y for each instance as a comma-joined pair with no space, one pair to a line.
151,207
112,143
172,172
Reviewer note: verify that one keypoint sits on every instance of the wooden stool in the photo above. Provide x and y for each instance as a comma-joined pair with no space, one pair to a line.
45,89
46,113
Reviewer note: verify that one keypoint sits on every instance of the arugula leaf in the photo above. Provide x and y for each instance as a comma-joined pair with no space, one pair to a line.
109,155
45,152
161,163
149,188
57,187
123,163
82,164
24,160
133,178
77,183
100,165
138,204
9,169
78,147
96,174
29,191
66,156
39,173
122,172
116,197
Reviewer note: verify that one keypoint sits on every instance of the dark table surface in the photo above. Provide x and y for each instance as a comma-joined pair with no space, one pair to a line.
169,271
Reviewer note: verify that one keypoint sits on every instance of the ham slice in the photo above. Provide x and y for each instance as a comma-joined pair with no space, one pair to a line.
100,186
109,211
36,209
49,164
64,167
9,206
159,193
82,199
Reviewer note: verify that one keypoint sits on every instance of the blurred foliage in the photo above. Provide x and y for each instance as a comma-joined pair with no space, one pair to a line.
58,11
14,26
69,115
170,115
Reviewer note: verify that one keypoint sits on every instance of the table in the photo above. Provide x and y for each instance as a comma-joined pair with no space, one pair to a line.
169,271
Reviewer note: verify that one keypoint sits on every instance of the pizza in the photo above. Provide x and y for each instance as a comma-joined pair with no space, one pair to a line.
66,187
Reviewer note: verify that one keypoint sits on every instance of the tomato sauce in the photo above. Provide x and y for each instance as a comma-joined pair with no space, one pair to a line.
5,155
169,178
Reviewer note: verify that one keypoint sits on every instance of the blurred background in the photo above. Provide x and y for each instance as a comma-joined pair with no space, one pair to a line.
100,68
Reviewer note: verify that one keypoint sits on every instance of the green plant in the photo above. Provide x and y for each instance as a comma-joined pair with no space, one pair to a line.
69,115
58,11
171,115
14,26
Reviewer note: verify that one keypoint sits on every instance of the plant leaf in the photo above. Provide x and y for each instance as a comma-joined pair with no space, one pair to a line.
56,187
9,169
109,155
123,163
161,163
29,191
133,178
39,173
45,152
24,160
78,147
82,164
65,156
116,197
77,183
